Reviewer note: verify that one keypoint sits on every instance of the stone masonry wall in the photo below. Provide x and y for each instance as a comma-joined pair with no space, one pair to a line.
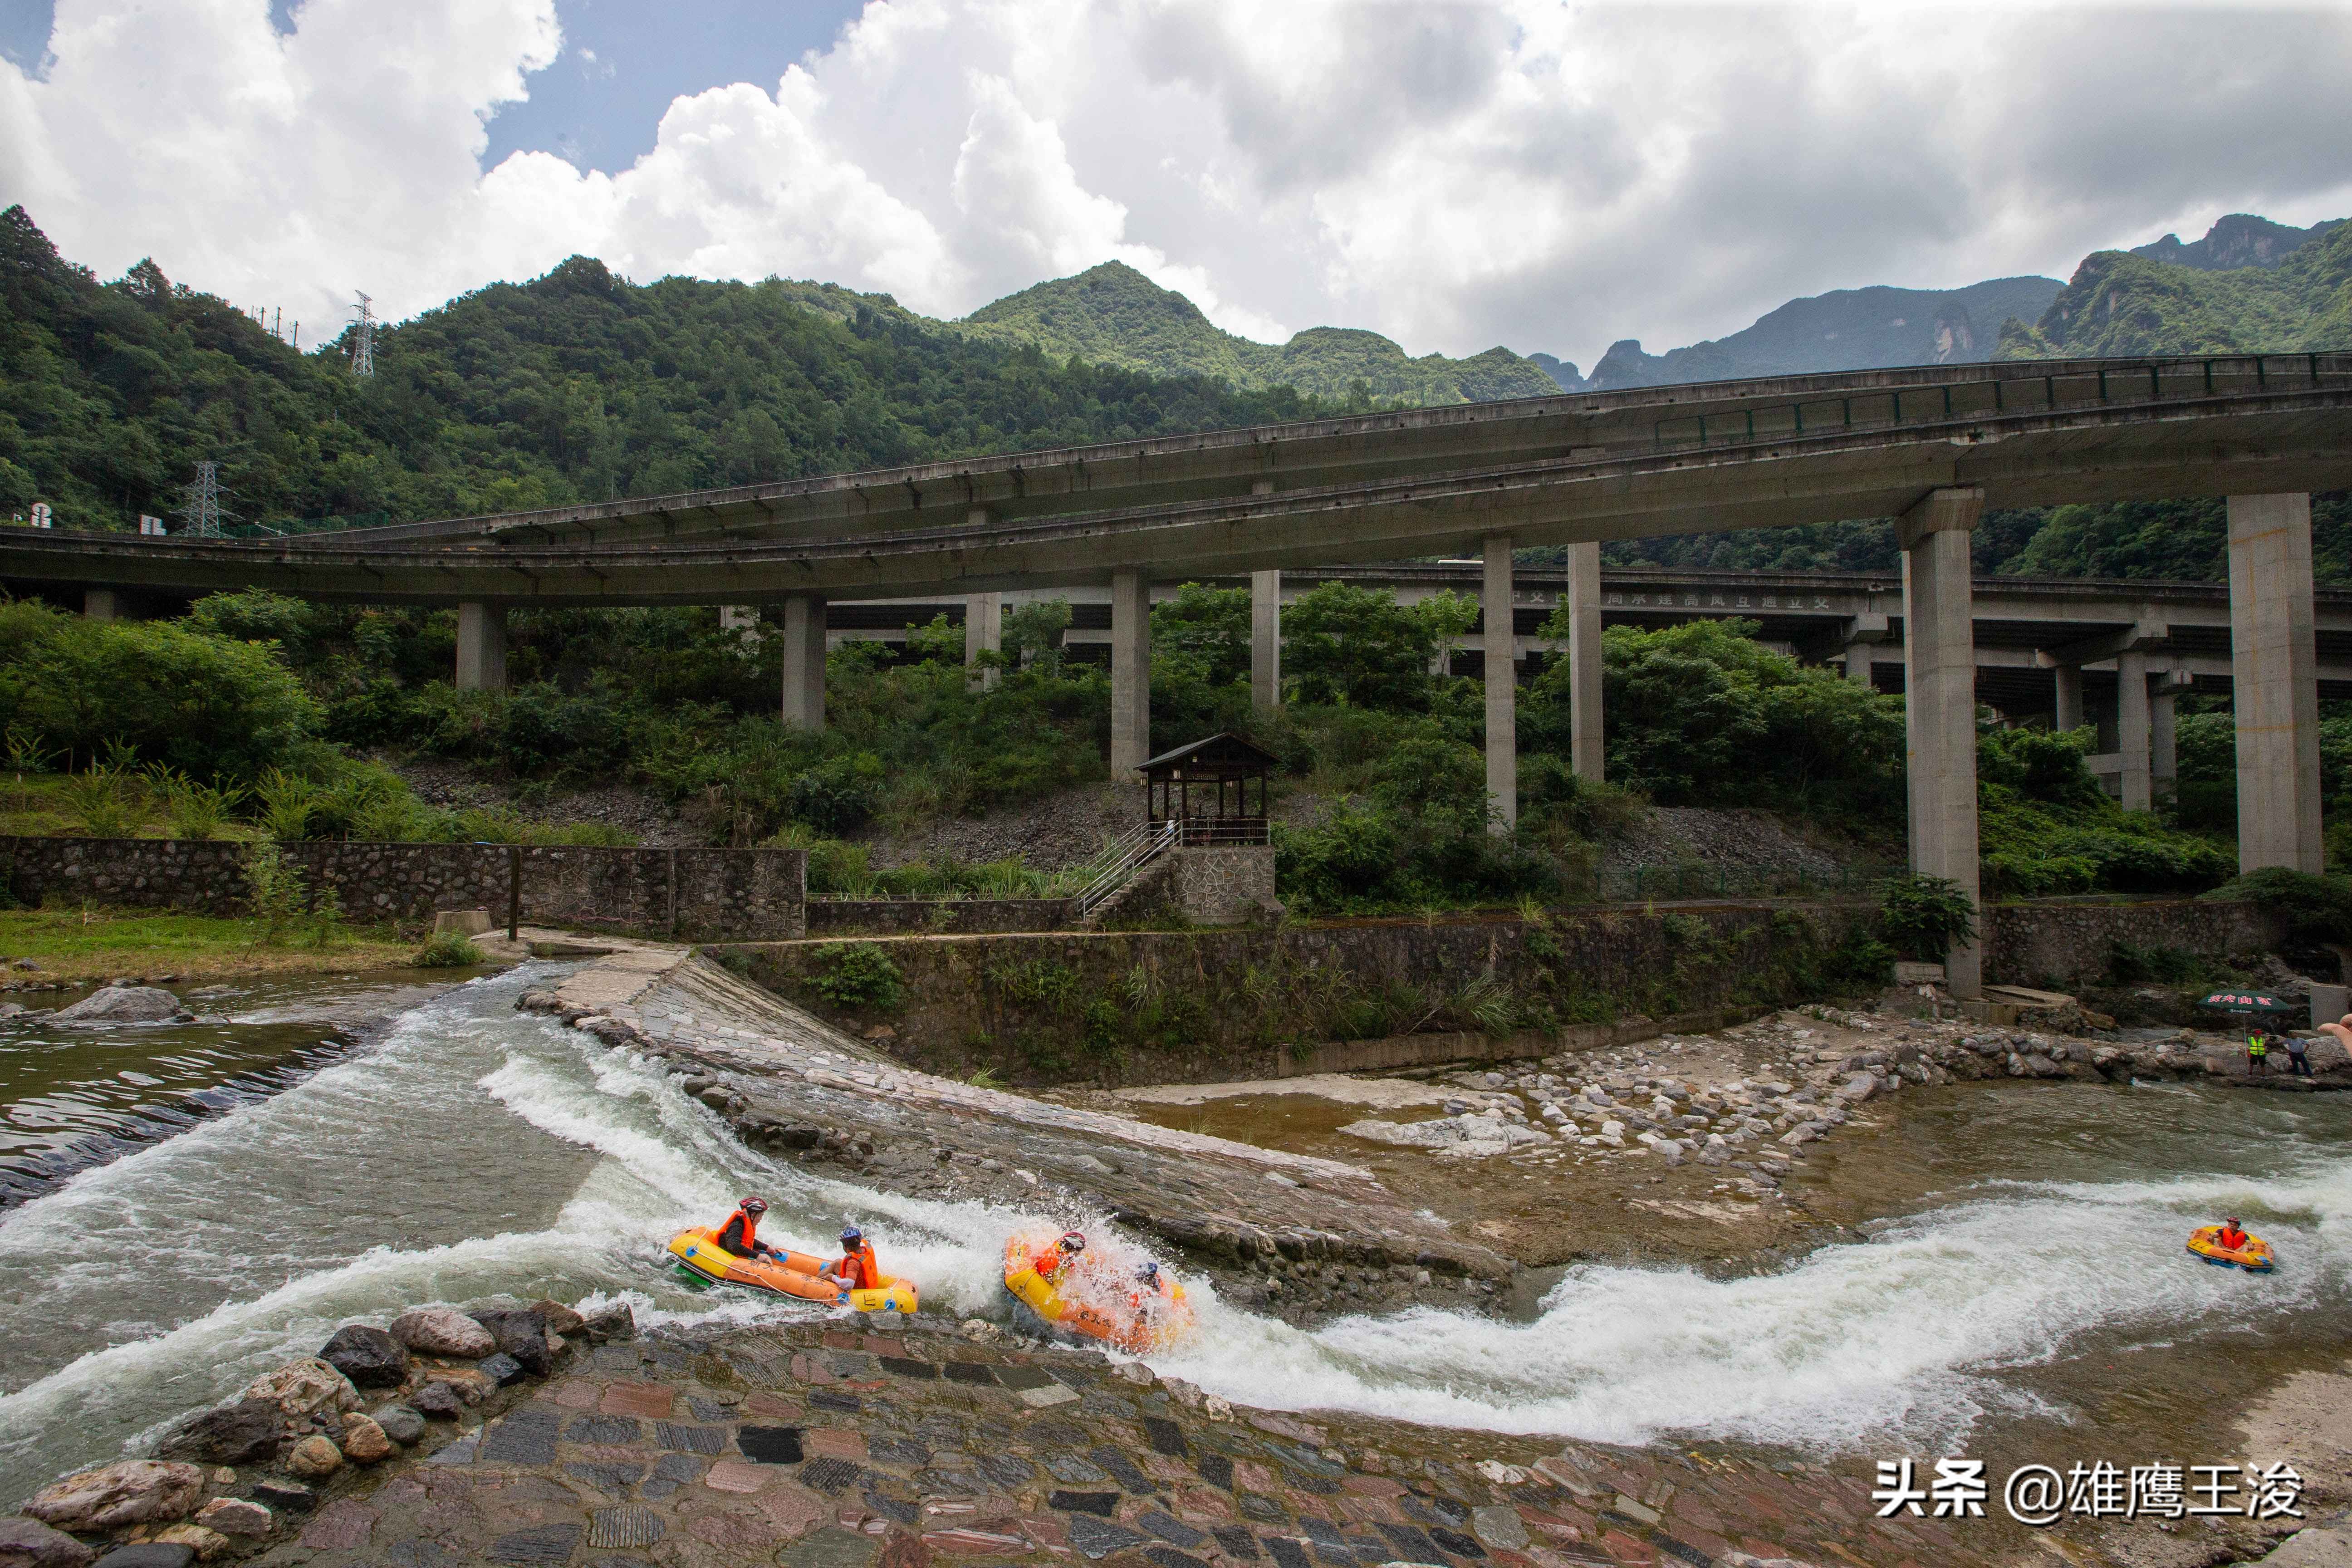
880,917
2062,942
1168,1006
1226,885
697,894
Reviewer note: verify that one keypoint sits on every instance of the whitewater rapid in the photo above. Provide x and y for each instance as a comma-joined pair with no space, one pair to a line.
479,1152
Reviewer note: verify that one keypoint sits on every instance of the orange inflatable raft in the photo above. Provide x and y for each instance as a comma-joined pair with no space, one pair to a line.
1088,1297
793,1274
2254,1257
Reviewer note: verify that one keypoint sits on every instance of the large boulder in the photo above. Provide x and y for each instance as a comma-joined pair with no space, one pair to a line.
236,1433
442,1332
369,1357
559,1318
29,1543
129,1491
304,1388
613,1323
521,1333
121,1005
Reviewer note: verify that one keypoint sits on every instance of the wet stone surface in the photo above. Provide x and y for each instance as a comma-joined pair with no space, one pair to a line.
930,1469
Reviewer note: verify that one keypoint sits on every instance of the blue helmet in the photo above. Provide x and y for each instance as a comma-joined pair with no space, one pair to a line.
851,1236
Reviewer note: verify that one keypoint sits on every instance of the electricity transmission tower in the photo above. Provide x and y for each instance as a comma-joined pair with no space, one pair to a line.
364,344
201,508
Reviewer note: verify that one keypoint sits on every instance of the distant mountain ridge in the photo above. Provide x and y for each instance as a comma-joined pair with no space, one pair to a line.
2241,240
1848,329
1114,315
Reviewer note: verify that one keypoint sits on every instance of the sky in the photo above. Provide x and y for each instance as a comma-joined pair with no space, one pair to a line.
1546,176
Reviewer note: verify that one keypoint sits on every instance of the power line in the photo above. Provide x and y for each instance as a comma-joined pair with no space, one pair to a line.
363,345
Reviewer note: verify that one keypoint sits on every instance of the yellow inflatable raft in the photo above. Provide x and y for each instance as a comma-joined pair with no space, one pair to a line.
1086,1298
794,1274
2254,1257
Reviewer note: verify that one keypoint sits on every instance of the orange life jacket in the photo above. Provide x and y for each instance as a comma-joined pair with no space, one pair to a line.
2233,1239
858,1270
1048,1262
738,1234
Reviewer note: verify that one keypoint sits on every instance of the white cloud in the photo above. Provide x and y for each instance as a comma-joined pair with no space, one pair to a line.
1454,175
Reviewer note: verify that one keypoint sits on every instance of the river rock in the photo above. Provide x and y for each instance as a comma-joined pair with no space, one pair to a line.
304,1387
522,1334
236,1433
364,1441
314,1457
150,1555
559,1318
121,1005
129,1491
285,1497
438,1400
501,1369
443,1331
613,1323
237,1516
369,1357
400,1424
204,1543
29,1543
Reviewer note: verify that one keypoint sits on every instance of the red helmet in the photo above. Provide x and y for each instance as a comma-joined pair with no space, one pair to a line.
754,1205
1072,1242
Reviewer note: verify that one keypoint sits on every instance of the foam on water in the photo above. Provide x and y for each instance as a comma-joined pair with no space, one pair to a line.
479,1152
1897,1334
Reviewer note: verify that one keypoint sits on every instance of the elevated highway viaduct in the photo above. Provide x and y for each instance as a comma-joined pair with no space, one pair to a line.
1932,447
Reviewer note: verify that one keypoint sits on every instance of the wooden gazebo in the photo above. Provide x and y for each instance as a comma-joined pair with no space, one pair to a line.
1214,790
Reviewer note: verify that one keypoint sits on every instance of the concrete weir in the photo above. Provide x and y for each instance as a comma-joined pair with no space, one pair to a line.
793,1086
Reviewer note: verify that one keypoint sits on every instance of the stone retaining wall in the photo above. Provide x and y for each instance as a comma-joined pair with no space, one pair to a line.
1173,1005
2062,942
883,917
1161,1005
698,894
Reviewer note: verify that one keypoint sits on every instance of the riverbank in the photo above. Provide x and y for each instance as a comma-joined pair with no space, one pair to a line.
52,948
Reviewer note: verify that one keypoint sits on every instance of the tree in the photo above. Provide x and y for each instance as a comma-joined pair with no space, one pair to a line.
1356,645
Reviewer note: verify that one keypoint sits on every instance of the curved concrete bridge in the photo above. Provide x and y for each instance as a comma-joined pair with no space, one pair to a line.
1933,446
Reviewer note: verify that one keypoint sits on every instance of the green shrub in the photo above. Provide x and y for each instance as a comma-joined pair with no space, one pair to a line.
1922,917
449,950
206,705
275,893
2315,908
858,974
199,812
99,802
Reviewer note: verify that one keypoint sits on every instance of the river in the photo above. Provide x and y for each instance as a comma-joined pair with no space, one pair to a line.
2020,1275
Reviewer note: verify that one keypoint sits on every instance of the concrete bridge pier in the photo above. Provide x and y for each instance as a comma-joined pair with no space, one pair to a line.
103,604
1266,641
2134,732
1585,747
2163,734
1861,636
482,646
1130,671
2273,664
1939,705
1502,688
803,707
2067,712
983,632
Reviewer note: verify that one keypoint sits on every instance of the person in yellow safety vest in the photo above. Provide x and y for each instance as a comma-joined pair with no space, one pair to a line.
2257,1051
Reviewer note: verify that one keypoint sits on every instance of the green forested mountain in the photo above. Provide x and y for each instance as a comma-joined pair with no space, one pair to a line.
574,386
1112,314
2123,303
